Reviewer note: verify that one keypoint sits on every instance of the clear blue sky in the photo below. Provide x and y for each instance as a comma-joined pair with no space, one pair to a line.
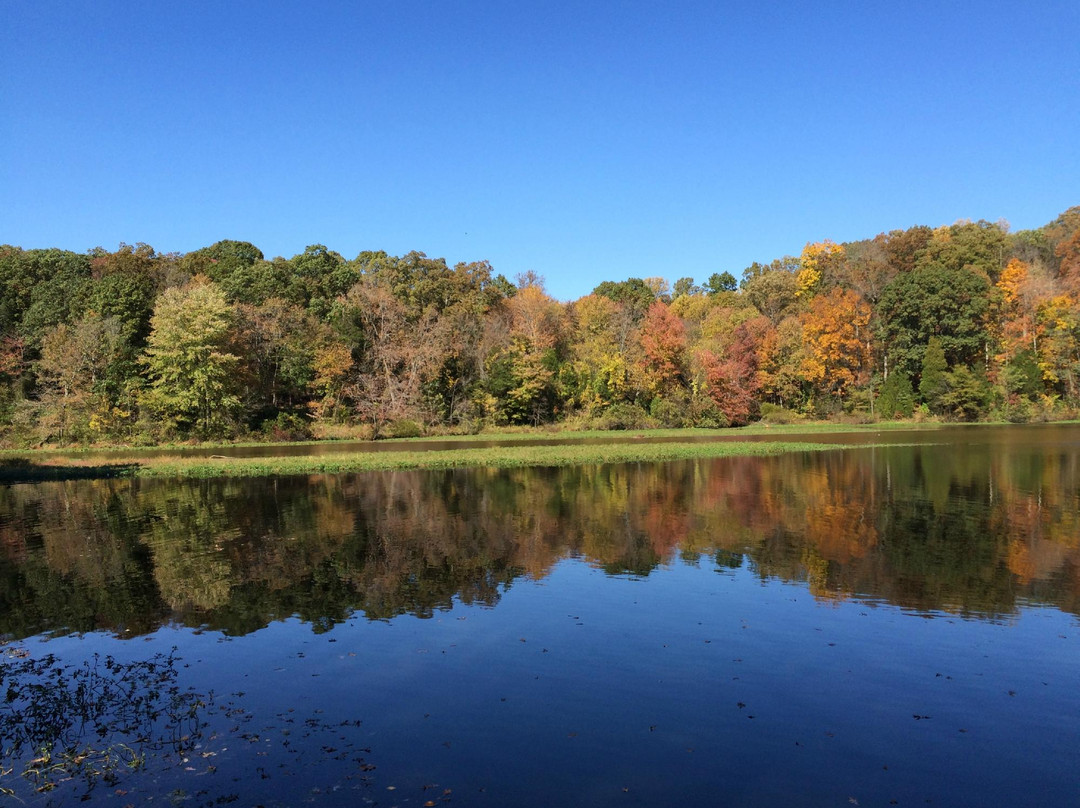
587,140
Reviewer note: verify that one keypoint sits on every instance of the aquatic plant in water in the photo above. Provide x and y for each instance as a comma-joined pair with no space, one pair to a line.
92,721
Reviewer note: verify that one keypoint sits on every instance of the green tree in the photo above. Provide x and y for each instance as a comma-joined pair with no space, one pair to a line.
897,399
127,297
320,275
932,379
934,301
1022,375
190,362
685,286
720,282
57,285
633,293
220,260
966,393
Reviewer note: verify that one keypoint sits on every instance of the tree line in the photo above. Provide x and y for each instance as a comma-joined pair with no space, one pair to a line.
965,322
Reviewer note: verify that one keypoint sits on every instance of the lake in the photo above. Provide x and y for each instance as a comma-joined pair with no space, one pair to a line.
879,625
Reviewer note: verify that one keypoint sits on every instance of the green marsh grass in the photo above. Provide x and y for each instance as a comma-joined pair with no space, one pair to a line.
40,468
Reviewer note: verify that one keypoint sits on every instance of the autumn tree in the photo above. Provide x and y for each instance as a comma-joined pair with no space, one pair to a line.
279,343
392,354
780,356
72,371
522,373
1058,321
192,369
837,341
597,370
731,380
773,292
662,339
816,260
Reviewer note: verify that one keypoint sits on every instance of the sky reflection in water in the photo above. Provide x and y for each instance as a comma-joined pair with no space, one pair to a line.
872,625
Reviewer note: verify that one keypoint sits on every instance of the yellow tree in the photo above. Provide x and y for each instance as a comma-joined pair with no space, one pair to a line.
521,368
837,341
816,258
192,369
780,355
1059,348
597,363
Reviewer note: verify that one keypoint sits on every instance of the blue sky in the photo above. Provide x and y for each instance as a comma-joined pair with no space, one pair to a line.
586,141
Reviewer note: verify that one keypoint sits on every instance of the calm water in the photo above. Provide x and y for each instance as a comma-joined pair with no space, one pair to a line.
891,625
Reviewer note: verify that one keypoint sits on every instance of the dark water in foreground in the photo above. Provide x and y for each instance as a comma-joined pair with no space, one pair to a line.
881,626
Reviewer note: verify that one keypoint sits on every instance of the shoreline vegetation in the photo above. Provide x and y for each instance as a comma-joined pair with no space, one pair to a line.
963,323
504,450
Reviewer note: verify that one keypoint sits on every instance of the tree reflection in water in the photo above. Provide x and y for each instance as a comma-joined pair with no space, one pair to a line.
931,528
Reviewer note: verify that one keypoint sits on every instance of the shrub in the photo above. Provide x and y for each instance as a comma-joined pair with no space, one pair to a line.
286,427
775,414
405,428
1018,410
669,413
704,413
623,415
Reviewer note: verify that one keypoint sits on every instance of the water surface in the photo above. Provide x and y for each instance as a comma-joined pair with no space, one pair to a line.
869,625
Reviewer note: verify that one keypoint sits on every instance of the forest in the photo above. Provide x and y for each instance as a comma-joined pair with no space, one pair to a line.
964,322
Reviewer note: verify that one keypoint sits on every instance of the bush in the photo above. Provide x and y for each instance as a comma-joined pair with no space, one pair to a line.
623,415
286,427
405,428
669,413
706,414
775,414
1018,410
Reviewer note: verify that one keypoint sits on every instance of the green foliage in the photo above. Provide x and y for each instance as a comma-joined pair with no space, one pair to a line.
319,275
633,293
1022,375
897,398
286,427
221,260
966,393
193,386
932,385
775,414
721,282
623,415
384,339
405,428
685,286
934,301
57,294
127,297
973,246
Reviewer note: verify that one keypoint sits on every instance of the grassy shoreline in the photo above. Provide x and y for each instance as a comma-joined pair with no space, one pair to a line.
490,457
511,449
502,434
